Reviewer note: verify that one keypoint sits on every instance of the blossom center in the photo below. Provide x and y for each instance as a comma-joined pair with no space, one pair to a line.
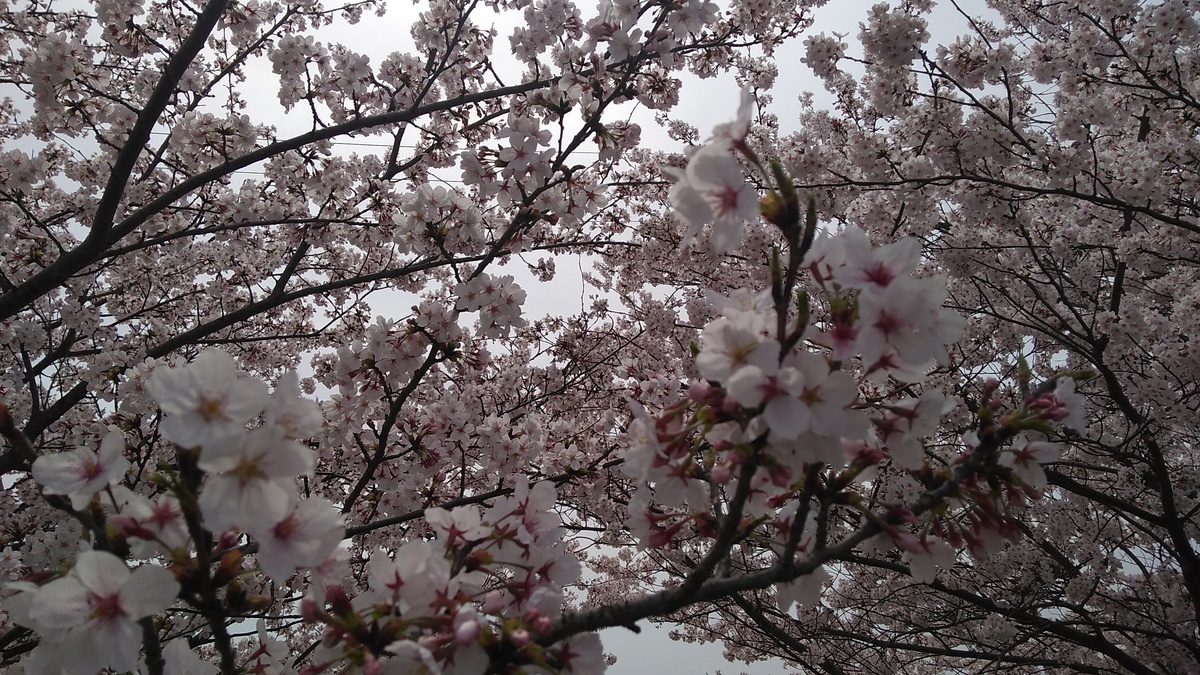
211,409
91,469
880,274
248,470
888,324
285,528
727,200
105,607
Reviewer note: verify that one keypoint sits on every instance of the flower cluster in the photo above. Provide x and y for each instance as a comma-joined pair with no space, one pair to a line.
713,190
250,482
498,301
82,473
88,619
488,588
785,406
880,311
485,590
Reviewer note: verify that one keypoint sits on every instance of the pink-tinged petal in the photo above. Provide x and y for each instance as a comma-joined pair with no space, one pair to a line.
277,559
412,659
263,448
213,370
62,603
288,459
306,537
206,399
908,453
1034,476
901,256
64,474
747,386
582,655
181,659
149,590
246,398
186,429
713,167
728,346
691,207
790,380
879,267
112,451
472,659
226,454
101,572
805,591
115,642
298,417
228,502
1074,404
77,653
922,568
786,417
48,657
727,236
172,388
1045,451
827,422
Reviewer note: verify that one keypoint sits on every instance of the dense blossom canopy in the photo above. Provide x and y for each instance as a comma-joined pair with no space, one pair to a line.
910,388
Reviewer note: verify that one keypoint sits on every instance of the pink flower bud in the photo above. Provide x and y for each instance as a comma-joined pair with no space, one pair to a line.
228,541
338,601
721,473
703,392
729,405
780,475
467,633
520,638
310,610
493,602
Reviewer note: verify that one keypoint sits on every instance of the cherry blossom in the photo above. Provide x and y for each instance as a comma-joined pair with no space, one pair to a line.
1026,457
82,473
304,538
734,133
205,401
924,555
827,396
98,605
154,521
298,417
729,346
805,591
250,487
410,658
713,191
458,526
777,390
875,267
412,579
906,318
